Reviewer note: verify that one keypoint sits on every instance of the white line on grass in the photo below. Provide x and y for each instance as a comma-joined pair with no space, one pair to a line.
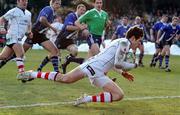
72,102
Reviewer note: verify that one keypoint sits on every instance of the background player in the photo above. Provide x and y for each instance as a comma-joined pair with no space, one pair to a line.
19,23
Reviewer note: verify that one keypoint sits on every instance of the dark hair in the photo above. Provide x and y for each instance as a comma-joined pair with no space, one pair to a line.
134,31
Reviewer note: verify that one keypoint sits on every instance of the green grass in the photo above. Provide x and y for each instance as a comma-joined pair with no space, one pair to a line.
148,82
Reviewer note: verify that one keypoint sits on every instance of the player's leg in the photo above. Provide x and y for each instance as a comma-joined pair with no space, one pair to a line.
94,43
26,46
6,52
72,76
167,55
43,63
6,55
155,56
141,55
49,46
94,49
19,52
111,92
71,57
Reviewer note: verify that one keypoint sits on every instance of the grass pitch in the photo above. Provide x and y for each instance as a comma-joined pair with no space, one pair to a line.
145,96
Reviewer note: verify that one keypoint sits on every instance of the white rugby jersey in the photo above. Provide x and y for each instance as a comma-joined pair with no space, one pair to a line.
51,34
18,22
114,54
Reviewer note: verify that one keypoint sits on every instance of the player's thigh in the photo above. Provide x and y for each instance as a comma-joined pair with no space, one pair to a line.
107,85
6,52
167,49
26,46
18,50
49,46
73,49
74,75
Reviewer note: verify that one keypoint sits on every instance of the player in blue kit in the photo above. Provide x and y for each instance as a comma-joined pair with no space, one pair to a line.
167,34
121,29
153,32
65,39
43,22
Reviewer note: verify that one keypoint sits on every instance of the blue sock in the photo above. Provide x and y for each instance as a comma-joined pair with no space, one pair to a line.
160,60
44,62
167,60
55,63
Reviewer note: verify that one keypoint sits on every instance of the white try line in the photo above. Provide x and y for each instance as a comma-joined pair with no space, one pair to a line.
72,102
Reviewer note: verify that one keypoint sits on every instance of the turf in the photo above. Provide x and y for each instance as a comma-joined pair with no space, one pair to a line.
149,82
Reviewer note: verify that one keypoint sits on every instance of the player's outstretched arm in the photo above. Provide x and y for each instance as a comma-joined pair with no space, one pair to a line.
125,74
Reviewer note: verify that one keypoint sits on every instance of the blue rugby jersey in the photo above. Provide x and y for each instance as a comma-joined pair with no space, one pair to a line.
47,12
121,31
69,20
158,26
169,31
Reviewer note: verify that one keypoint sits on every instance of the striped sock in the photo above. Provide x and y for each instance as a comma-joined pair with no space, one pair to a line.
44,62
20,64
55,63
154,56
103,97
160,60
44,75
167,60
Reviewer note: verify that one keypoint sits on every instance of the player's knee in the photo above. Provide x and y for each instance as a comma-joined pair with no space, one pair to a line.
74,52
117,96
95,50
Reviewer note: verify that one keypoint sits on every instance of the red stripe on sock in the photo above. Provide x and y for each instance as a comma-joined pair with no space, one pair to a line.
20,66
102,97
39,75
46,75
94,99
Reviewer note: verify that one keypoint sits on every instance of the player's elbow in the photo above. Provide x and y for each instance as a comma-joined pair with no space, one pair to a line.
76,23
118,66
42,19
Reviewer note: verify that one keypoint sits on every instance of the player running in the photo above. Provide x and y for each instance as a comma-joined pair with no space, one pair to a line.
19,23
65,39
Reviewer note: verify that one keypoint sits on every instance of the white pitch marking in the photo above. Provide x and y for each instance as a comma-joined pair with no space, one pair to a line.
72,102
